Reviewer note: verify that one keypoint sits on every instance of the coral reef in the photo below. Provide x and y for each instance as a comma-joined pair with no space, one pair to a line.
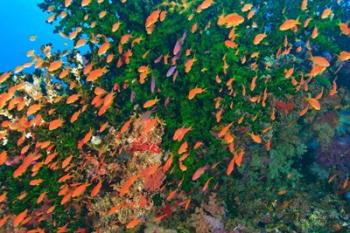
171,102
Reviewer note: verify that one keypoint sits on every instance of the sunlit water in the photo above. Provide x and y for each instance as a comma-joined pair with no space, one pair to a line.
19,19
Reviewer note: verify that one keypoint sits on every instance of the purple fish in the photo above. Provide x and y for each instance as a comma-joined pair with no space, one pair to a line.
146,115
153,84
158,59
171,71
166,102
132,96
179,43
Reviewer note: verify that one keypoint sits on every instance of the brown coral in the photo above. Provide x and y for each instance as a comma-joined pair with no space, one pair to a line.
136,158
208,217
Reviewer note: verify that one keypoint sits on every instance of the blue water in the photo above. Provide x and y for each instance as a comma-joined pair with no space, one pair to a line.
20,19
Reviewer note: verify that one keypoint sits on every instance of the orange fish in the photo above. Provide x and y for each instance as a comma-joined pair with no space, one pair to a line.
251,14
304,5
189,63
80,190
183,148
320,61
100,91
230,167
218,115
66,198
96,189
233,20
20,170
64,178
238,158
253,83
224,130
125,188
302,112
171,195
22,195
256,138
85,139
125,126
332,92
326,13
180,133
150,103
96,74
55,124
4,77
3,220
133,223
344,28
3,157
314,33
288,72
67,161
231,44
316,70
50,157
152,18
162,16
258,38
344,56
33,109
55,66
114,209
20,217
75,116
116,26
194,28
314,103
72,99
247,7
288,24
107,102
125,38
307,22
85,3
103,127
80,43
35,182
195,91
346,183
67,3
204,5
198,173
206,185
168,163
41,197
103,48
62,229
3,197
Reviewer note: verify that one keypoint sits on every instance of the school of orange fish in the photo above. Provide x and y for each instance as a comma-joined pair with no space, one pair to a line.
36,153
